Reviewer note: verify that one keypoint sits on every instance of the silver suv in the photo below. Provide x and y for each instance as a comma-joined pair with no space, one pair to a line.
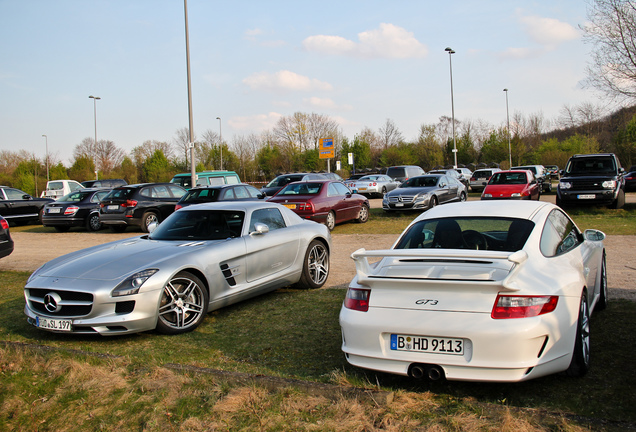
480,177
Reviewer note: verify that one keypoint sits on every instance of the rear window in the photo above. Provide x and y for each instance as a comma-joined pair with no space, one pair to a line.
396,172
201,195
482,173
123,194
55,186
484,233
74,197
281,181
305,188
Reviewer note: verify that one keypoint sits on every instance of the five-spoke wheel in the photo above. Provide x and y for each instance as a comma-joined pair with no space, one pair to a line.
315,266
184,303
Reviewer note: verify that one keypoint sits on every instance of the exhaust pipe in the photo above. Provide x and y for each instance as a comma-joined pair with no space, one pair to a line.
431,372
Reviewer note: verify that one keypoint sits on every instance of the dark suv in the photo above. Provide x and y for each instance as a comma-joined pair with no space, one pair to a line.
139,205
592,179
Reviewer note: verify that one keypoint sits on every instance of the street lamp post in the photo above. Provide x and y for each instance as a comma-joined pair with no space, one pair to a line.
95,99
193,172
47,157
450,52
508,118
221,140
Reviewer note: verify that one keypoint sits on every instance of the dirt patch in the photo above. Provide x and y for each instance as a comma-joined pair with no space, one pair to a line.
34,249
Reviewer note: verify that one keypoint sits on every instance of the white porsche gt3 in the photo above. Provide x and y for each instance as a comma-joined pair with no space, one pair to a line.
478,291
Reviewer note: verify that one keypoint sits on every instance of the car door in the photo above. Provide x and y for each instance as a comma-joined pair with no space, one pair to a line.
272,252
444,189
342,203
20,204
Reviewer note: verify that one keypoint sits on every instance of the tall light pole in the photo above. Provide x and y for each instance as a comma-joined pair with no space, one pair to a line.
95,99
47,157
508,117
450,53
221,140
193,173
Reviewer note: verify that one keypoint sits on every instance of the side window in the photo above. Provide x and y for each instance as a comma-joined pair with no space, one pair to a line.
342,189
14,194
332,191
241,193
270,217
176,191
147,192
232,179
75,186
254,193
559,235
161,192
215,181
228,195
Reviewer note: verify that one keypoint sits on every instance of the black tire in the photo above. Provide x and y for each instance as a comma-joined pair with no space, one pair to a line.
148,218
184,304
330,222
462,196
603,295
580,363
363,215
118,228
61,228
433,203
315,266
619,202
93,223
383,192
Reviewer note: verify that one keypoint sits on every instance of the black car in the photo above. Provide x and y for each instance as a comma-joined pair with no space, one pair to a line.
139,205
104,183
595,179
6,243
203,194
283,180
18,207
77,209
630,179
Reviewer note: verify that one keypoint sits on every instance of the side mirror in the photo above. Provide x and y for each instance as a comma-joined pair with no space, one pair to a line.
594,235
260,229
152,226
261,196
27,197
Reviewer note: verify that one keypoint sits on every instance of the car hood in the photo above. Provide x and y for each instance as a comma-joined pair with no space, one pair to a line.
116,260
412,190
591,176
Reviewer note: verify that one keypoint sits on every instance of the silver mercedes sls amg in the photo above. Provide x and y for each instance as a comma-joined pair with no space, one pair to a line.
199,259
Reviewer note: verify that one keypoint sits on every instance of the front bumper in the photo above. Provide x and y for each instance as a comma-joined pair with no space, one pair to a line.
583,197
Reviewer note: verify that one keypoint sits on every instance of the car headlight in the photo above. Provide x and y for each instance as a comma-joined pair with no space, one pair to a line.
565,185
385,199
131,284
423,197
609,184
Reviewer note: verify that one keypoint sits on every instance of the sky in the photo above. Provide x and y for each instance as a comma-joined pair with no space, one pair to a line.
358,62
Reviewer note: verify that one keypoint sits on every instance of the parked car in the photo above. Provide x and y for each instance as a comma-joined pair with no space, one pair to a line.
481,177
553,170
332,176
18,207
6,242
58,188
350,182
104,183
424,192
630,180
206,178
520,184
404,172
466,174
472,292
203,194
541,174
139,205
283,180
373,185
592,179
454,174
325,201
76,209
199,259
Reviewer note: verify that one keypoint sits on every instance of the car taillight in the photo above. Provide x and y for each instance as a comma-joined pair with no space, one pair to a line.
177,207
4,223
307,206
71,210
373,184
507,307
357,299
129,203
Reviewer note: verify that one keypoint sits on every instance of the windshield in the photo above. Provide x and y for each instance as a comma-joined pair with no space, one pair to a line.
304,188
426,181
200,225
484,233
595,165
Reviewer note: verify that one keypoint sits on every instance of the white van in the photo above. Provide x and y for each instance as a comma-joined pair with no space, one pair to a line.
58,188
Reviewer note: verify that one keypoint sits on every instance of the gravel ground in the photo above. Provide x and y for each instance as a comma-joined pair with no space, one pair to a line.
34,249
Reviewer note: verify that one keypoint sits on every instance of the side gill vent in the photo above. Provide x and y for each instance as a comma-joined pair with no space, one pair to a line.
228,274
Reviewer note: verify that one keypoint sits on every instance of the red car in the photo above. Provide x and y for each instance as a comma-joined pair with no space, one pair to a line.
325,201
514,184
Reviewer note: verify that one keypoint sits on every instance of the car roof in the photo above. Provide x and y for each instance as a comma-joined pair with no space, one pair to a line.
223,186
499,208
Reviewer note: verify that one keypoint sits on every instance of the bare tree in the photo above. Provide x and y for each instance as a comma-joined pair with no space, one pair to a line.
390,135
108,156
143,152
612,32
181,143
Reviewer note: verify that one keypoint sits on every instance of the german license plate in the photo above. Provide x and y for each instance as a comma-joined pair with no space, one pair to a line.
53,210
427,344
362,188
399,204
290,206
53,324
588,196
112,207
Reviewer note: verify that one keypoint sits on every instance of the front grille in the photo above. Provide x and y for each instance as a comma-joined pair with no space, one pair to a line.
73,303
588,185
401,198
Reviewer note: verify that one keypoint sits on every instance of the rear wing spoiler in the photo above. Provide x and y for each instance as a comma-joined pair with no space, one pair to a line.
368,274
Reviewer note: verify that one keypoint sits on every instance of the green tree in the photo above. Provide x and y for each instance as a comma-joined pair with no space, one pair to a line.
157,168
428,151
625,144
82,169
58,172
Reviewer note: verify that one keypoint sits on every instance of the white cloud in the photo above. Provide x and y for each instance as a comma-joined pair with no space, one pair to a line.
285,80
387,41
253,32
548,32
326,103
258,122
